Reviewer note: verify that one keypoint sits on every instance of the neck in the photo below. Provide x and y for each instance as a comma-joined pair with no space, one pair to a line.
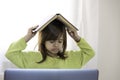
52,55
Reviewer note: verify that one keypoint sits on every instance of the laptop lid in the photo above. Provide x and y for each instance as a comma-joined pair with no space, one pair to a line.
51,74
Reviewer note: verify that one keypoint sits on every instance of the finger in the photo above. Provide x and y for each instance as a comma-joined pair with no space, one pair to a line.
72,34
34,27
37,26
70,31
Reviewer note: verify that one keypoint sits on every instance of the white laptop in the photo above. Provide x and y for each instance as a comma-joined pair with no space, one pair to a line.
51,74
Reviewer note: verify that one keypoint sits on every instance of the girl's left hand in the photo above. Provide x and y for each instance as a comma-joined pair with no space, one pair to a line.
73,33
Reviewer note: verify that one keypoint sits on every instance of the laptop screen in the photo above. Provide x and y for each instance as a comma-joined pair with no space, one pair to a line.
51,74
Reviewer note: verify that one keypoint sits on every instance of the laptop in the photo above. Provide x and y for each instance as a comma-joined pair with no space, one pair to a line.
51,74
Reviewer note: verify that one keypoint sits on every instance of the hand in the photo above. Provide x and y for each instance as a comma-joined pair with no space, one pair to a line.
73,33
30,33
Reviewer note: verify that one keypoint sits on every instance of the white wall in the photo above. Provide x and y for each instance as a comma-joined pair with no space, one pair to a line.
109,45
16,16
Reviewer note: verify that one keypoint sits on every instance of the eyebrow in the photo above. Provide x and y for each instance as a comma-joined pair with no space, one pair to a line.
60,39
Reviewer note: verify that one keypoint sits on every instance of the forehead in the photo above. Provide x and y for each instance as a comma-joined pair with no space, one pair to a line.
60,36
50,36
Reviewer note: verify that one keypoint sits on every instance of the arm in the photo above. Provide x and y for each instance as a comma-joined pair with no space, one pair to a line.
86,52
15,51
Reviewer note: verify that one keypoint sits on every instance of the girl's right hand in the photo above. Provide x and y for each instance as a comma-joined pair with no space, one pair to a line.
30,33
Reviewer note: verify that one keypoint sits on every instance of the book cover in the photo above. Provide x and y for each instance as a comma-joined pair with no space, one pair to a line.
49,19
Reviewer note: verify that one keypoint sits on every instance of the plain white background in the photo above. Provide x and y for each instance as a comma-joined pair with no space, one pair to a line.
109,39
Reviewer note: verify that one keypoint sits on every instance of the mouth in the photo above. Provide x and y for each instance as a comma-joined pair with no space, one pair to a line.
55,50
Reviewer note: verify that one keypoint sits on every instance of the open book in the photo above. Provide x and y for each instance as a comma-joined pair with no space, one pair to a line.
49,19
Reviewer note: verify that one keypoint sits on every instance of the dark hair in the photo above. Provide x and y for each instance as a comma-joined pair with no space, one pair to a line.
52,32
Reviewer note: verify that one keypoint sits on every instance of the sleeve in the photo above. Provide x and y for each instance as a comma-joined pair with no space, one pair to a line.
19,57
83,55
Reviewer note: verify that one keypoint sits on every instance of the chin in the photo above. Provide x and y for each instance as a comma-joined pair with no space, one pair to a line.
54,52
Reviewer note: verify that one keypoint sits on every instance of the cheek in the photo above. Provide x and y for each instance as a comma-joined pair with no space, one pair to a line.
60,46
48,46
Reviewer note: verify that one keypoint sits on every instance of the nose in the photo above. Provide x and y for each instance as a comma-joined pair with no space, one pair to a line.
56,44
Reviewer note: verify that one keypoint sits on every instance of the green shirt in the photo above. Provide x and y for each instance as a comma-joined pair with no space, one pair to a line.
24,59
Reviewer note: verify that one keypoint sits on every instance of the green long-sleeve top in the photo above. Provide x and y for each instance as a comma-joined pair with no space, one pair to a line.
29,59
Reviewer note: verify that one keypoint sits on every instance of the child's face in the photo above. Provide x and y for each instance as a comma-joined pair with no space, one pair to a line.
54,46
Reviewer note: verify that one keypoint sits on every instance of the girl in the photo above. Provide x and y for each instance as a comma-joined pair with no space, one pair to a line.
52,42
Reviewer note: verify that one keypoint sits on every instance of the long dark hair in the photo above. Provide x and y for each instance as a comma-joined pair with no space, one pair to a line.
52,32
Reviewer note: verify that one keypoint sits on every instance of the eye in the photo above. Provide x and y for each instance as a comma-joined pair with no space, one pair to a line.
51,41
60,41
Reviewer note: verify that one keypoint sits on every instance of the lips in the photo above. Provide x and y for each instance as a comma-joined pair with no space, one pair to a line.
55,49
